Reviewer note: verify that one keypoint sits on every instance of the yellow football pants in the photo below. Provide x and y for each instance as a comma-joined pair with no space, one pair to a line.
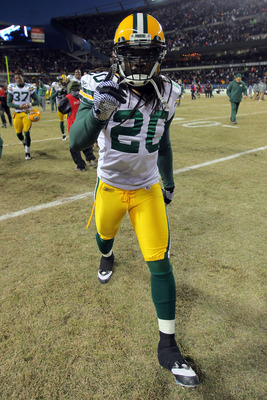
147,213
21,122
61,116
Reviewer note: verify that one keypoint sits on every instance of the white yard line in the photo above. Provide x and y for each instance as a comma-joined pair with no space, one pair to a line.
84,195
44,206
184,121
179,171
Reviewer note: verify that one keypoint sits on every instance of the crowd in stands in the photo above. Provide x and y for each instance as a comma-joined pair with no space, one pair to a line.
41,61
220,77
186,24
204,12
197,24
213,35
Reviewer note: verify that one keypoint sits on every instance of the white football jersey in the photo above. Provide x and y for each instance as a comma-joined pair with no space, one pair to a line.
21,95
72,78
61,91
128,151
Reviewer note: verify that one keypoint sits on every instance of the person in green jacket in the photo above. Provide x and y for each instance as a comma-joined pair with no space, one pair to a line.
234,91
178,102
42,94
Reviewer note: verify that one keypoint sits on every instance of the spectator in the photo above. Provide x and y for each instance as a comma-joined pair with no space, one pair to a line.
4,108
193,91
42,89
234,91
180,83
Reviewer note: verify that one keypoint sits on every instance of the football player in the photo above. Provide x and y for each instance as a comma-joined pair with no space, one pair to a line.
59,91
130,113
76,77
19,97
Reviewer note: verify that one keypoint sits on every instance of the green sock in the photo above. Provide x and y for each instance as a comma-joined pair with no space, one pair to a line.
62,127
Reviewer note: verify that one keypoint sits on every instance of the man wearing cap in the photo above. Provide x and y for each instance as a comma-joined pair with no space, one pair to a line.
69,105
234,91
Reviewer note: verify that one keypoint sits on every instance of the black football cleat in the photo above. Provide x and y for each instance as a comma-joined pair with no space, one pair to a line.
106,269
170,357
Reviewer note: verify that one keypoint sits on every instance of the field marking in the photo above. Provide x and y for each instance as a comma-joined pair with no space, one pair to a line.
178,120
46,205
84,195
178,171
175,120
201,124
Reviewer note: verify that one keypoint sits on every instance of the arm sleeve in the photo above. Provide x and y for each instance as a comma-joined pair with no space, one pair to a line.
64,106
9,100
165,160
85,129
245,91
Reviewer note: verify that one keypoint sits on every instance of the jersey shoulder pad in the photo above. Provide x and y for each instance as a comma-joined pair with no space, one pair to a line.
169,84
88,84
31,87
11,87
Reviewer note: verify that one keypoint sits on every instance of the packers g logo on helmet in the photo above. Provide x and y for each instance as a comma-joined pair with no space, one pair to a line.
139,48
35,115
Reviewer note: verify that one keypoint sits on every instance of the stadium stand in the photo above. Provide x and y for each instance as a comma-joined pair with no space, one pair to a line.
206,41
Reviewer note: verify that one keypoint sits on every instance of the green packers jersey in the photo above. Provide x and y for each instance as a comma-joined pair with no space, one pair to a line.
21,95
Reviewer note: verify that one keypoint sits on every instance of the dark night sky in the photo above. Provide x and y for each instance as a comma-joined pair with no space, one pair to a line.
31,13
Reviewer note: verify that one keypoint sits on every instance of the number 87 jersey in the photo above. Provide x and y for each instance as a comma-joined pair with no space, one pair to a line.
130,141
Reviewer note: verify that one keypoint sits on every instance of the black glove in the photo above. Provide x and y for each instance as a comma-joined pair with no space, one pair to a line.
168,195
108,96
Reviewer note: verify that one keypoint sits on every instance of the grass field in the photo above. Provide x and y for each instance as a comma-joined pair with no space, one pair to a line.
64,336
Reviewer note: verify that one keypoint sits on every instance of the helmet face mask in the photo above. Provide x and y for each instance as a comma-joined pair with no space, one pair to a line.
139,48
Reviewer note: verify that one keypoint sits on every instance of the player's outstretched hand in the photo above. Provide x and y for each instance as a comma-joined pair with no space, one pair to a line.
107,97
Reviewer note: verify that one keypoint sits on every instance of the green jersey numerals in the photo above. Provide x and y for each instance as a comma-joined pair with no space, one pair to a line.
133,146
20,96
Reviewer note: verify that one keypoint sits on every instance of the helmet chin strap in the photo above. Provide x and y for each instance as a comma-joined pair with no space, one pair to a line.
163,101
